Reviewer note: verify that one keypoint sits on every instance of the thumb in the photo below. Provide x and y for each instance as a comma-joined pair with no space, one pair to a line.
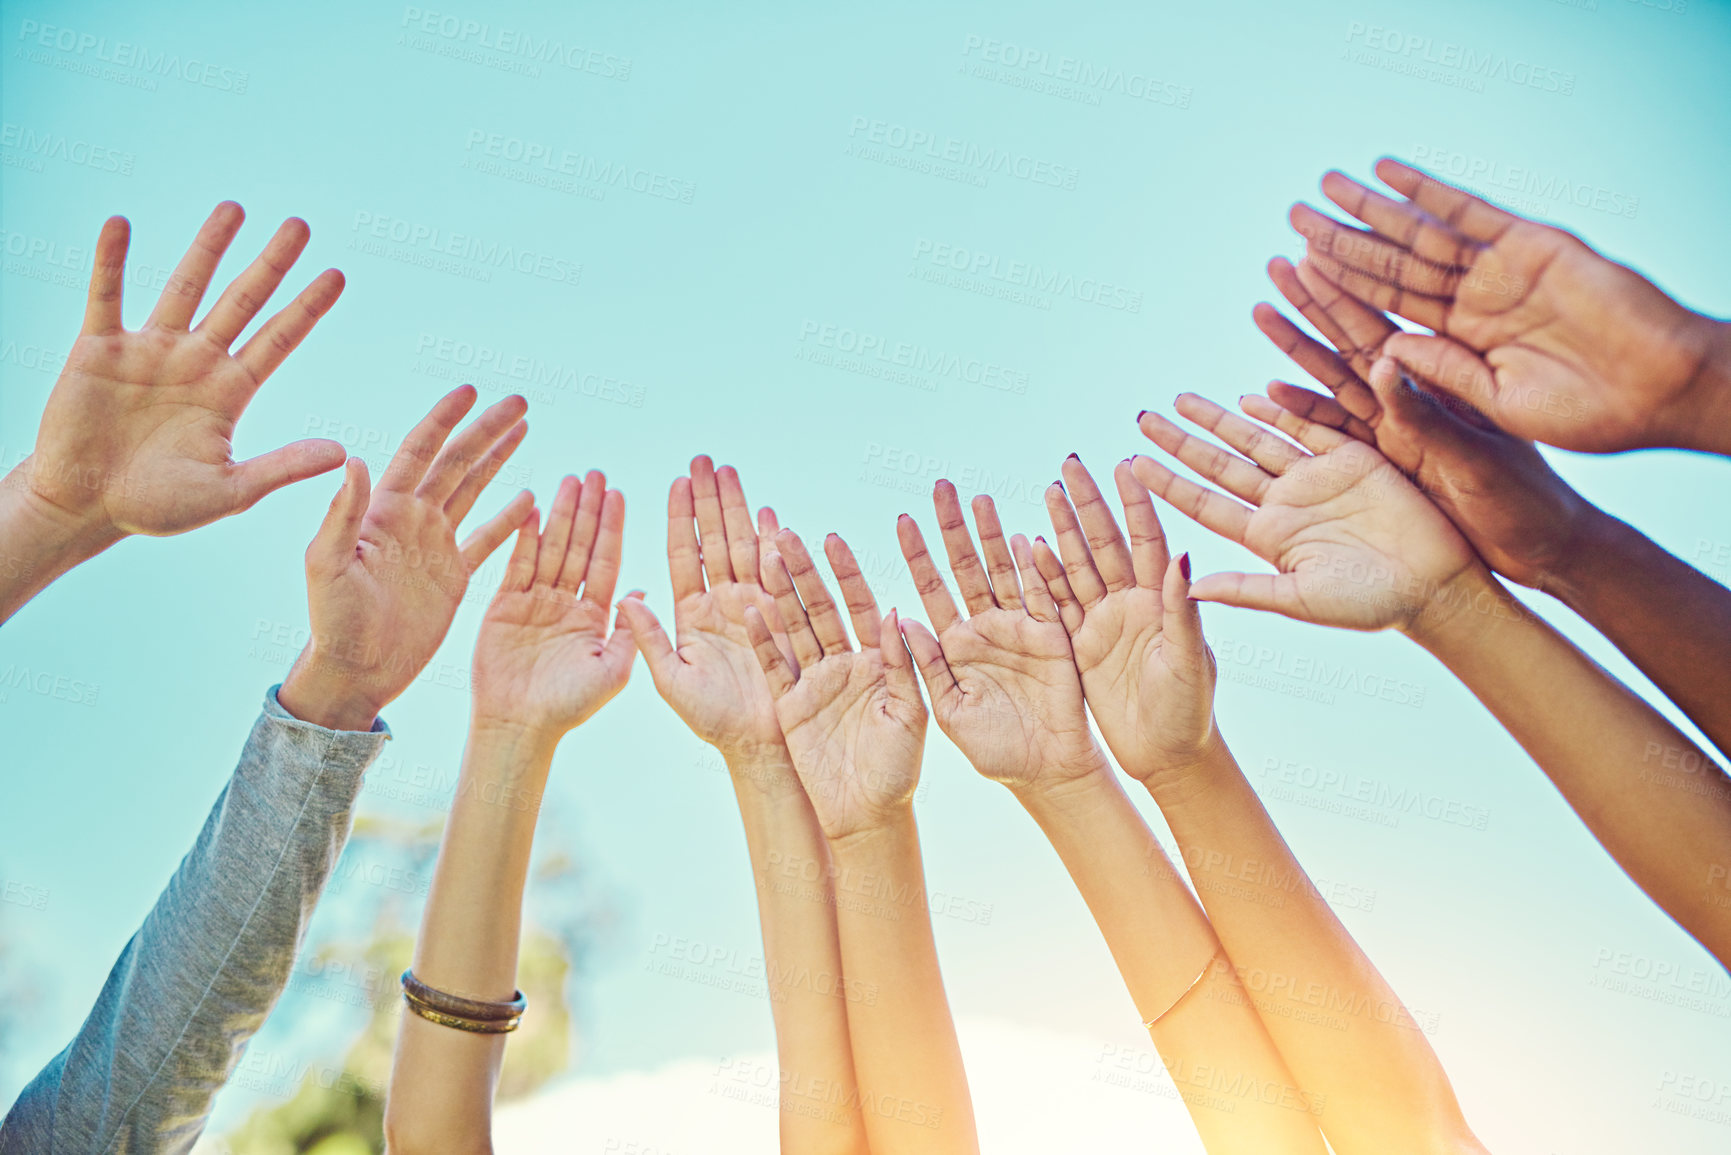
645,631
899,679
1446,367
1181,617
252,479
333,546
621,648
928,655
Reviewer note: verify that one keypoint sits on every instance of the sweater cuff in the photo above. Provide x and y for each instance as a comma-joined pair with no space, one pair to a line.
351,750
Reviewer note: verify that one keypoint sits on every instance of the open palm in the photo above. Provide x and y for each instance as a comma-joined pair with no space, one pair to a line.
1147,675
1355,543
544,659
854,721
1498,489
1002,680
138,434
1578,351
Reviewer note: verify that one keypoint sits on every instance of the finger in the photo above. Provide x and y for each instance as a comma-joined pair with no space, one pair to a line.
1431,312
1313,435
862,607
520,569
711,528
899,677
652,642
1148,551
333,546
1000,566
266,349
1303,403
1105,542
1374,256
1180,617
929,659
1229,471
1315,358
621,647
1450,368
186,285
1203,506
970,575
769,656
1272,454
107,279
934,595
1403,222
820,608
778,583
557,535
409,463
768,525
1274,592
483,472
1084,579
247,293
1477,219
736,522
602,573
1041,606
468,449
251,480
479,546
585,530
684,559
1070,610
1300,294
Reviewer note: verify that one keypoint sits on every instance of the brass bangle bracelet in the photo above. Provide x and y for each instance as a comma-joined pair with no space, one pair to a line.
420,993
1194,983
474,1026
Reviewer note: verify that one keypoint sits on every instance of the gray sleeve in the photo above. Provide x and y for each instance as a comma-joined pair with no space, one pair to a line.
206,967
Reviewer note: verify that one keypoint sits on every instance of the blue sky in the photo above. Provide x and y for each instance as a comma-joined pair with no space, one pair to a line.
719,209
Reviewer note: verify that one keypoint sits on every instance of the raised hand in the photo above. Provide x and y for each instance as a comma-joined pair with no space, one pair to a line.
1137,637
1578,351
1002,681
138,434
710,677
1355,544
1499,490
385,574
544,661
853,719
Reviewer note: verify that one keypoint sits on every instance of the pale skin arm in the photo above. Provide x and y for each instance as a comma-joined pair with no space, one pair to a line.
855,726
136,437
1004,687
1579,351
1670,619
544,662
713,681
1342,510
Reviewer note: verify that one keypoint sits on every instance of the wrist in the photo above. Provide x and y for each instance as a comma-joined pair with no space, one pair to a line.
515,736
1599,541
1703,421
316,691
885,830
1070,799
42,540
761,770
1457,615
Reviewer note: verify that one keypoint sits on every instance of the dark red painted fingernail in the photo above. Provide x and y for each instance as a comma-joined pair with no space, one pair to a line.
1184,564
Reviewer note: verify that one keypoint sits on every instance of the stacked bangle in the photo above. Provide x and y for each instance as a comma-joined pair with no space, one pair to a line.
482,1018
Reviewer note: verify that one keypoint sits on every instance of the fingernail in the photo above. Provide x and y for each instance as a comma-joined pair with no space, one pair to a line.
1184,564
1073,457
1141,415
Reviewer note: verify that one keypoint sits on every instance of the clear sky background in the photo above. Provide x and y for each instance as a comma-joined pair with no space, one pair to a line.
699,326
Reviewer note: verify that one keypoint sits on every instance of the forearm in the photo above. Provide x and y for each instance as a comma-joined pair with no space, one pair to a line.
442,1079
1671,620
38,543
913,1089
1162,942
1338,1024
210,960
808,993
1660,806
